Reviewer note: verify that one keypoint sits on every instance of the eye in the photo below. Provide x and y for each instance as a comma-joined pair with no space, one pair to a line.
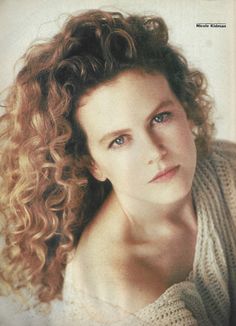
118,142
161,117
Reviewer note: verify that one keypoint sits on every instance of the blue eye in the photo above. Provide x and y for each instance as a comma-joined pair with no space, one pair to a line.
162,117
119,141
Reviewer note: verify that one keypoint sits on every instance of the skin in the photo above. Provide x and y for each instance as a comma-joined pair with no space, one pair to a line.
141,221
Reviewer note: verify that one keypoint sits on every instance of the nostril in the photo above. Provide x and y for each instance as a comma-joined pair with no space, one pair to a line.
159,152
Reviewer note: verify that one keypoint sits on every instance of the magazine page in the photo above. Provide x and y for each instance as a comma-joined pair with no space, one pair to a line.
117,162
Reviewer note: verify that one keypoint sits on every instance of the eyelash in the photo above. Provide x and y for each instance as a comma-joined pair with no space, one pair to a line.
111,145
165,117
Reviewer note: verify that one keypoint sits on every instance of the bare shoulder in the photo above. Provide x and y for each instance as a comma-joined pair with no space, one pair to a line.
108,264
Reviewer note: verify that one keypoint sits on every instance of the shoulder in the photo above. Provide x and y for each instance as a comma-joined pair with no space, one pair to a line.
224,149
222,170
216,177
223,157
221,161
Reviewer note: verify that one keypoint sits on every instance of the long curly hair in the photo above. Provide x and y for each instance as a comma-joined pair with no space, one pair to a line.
48,195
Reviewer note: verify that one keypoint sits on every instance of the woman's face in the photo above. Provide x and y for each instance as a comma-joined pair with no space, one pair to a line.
136,129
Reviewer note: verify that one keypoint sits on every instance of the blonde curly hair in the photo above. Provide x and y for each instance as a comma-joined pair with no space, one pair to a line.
48,195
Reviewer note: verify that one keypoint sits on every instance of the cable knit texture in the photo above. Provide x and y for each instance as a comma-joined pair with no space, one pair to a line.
206,297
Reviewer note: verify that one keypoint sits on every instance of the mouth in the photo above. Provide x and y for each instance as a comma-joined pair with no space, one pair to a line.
165,174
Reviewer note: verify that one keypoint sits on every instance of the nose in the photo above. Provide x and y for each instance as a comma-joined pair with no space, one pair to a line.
158,154
154,149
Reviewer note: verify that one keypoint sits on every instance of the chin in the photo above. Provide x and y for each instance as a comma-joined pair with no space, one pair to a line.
170,195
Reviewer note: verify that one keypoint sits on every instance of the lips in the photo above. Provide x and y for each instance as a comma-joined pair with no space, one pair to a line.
165,174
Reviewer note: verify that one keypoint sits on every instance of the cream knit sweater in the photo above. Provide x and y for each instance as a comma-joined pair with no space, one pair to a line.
207,297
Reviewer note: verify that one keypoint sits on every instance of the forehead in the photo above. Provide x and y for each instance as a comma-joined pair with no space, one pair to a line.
120,102
126,84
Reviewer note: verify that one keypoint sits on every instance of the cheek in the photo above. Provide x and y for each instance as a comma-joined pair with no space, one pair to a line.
120,169
189,149
181,143
184,133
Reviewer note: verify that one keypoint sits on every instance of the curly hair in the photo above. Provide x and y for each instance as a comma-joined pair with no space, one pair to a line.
48,195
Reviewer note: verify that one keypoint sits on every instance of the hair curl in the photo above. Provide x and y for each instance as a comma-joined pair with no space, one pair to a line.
48,195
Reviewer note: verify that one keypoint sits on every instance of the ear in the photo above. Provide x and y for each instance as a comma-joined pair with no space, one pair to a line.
193,128
97,172
191,124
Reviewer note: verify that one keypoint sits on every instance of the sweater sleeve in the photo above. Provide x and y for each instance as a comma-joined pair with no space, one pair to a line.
181,304
225,162
227,151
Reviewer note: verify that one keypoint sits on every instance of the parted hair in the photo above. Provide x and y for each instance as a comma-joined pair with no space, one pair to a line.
48,195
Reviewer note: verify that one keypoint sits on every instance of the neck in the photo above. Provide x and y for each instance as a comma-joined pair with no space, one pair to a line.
146,218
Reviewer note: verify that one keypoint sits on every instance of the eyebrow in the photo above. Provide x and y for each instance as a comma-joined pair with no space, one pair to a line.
113,134
161,105
119,132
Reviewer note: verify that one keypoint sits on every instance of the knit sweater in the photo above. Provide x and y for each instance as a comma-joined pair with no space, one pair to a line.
206,297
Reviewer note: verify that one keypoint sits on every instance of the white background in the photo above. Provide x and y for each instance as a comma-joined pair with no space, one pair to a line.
212,50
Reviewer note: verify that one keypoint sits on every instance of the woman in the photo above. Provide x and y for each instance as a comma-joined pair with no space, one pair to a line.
118,206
